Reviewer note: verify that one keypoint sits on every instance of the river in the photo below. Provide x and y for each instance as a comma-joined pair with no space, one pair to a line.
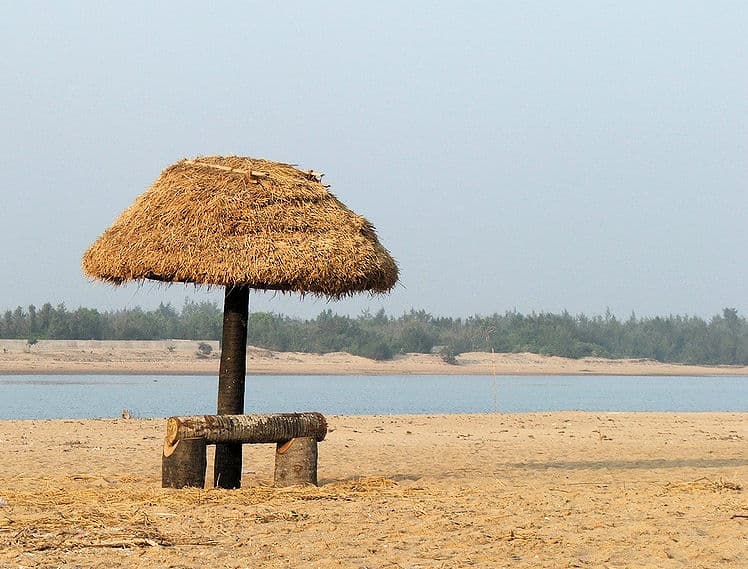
93,396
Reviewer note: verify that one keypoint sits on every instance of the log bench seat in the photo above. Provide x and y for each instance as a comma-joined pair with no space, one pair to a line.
296,436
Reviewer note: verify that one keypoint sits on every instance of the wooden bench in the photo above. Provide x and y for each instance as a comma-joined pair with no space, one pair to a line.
295,434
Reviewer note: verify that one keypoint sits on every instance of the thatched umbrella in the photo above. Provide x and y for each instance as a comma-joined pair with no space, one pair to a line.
241,223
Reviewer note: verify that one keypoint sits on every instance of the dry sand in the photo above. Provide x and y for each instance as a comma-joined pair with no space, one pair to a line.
181,357
525,490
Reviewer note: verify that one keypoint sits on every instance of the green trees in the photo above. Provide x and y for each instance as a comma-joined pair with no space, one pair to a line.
723,339
196,321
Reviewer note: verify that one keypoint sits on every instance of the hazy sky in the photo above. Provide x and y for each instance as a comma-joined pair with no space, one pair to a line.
530,155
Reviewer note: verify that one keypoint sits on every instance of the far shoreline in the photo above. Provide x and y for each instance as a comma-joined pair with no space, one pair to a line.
184,357
129,371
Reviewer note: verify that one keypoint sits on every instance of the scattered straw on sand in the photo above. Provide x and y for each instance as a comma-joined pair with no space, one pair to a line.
525,490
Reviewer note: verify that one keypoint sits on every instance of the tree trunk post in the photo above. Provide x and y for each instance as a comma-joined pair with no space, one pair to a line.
228,463
183,464
296,462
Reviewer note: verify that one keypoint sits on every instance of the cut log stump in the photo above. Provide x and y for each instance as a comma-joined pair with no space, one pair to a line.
184,463
296,462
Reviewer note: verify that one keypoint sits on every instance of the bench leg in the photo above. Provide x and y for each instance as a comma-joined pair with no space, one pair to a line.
296,462
183,465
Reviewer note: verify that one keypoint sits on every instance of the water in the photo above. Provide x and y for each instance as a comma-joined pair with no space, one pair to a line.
56,396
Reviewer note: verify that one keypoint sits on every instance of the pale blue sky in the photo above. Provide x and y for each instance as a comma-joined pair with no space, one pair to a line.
528,155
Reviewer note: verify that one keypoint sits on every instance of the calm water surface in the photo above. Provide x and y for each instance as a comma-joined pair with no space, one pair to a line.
86,396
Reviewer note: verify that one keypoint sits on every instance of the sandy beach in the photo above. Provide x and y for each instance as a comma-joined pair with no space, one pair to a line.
184,357
525,490
422,491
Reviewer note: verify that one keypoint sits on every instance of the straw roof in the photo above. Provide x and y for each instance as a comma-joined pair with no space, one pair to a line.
233,221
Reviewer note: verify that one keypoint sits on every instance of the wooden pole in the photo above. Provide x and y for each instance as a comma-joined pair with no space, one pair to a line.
183,464
227,471
296,462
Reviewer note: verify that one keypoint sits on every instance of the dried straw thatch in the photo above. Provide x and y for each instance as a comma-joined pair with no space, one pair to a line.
242,221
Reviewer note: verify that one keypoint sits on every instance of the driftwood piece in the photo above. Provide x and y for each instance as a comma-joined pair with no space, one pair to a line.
183,464
244,429
296,462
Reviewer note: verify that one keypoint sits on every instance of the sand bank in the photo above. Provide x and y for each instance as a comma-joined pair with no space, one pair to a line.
184,357
529,490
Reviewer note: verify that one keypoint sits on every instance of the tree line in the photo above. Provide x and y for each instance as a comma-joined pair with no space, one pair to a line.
721,339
